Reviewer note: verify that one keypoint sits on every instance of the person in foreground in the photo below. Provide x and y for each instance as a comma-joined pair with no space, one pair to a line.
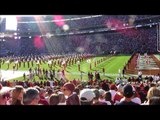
128,95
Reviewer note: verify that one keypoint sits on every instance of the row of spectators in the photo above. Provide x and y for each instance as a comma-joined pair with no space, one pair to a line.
75,92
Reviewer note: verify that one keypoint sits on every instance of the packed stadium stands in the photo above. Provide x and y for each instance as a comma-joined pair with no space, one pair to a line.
53,47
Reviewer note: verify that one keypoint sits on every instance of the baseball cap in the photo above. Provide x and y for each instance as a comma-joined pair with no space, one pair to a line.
88,94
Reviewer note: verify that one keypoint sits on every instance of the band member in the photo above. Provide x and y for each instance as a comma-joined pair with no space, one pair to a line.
14,67
95,64
49,63
38,64
8,63
63,73
90,66
103,70
28,63
64,65
19,63
16,64
78,67
24,76
32,62
24,63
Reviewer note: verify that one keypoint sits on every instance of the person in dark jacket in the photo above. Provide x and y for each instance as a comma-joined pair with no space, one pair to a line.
128,95
68,90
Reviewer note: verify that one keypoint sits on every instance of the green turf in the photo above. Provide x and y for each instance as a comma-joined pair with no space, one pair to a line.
112,64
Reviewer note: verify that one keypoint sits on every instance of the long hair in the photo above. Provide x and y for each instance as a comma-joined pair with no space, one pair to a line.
153,91
15,94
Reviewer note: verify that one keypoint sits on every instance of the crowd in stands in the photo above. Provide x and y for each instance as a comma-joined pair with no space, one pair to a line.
127,91
81,23
124,41
76,92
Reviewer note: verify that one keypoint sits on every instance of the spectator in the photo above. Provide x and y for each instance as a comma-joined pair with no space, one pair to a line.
31,97
105,86
17,95
3,96
49,93
154,101
143,93
113,89
102,94
54,99
136,99
119,93
128,94
62,99
108,98
86,97
77,90
42,100
153,92
68,90
96,98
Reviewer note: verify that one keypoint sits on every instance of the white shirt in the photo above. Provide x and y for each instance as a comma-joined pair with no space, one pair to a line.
51,83
136,100
113,93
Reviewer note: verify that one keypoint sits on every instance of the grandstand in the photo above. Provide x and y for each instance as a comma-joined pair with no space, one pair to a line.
96,34
51,50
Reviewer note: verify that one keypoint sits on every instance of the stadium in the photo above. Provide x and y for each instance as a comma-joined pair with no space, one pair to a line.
79,60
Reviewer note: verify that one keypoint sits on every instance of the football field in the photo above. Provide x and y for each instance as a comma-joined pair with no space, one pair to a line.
111,65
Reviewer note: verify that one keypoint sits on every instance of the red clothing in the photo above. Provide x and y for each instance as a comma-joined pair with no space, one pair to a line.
75,82
73,100
43,101
55,83
117,97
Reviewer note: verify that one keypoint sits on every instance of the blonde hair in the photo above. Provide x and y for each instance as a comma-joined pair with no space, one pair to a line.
153,91
15,94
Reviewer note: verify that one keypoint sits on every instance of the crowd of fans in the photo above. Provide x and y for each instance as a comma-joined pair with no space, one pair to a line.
76,92
129,91
124,41
81,23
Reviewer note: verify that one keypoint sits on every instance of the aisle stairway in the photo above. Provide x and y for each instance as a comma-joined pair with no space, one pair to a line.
148,68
